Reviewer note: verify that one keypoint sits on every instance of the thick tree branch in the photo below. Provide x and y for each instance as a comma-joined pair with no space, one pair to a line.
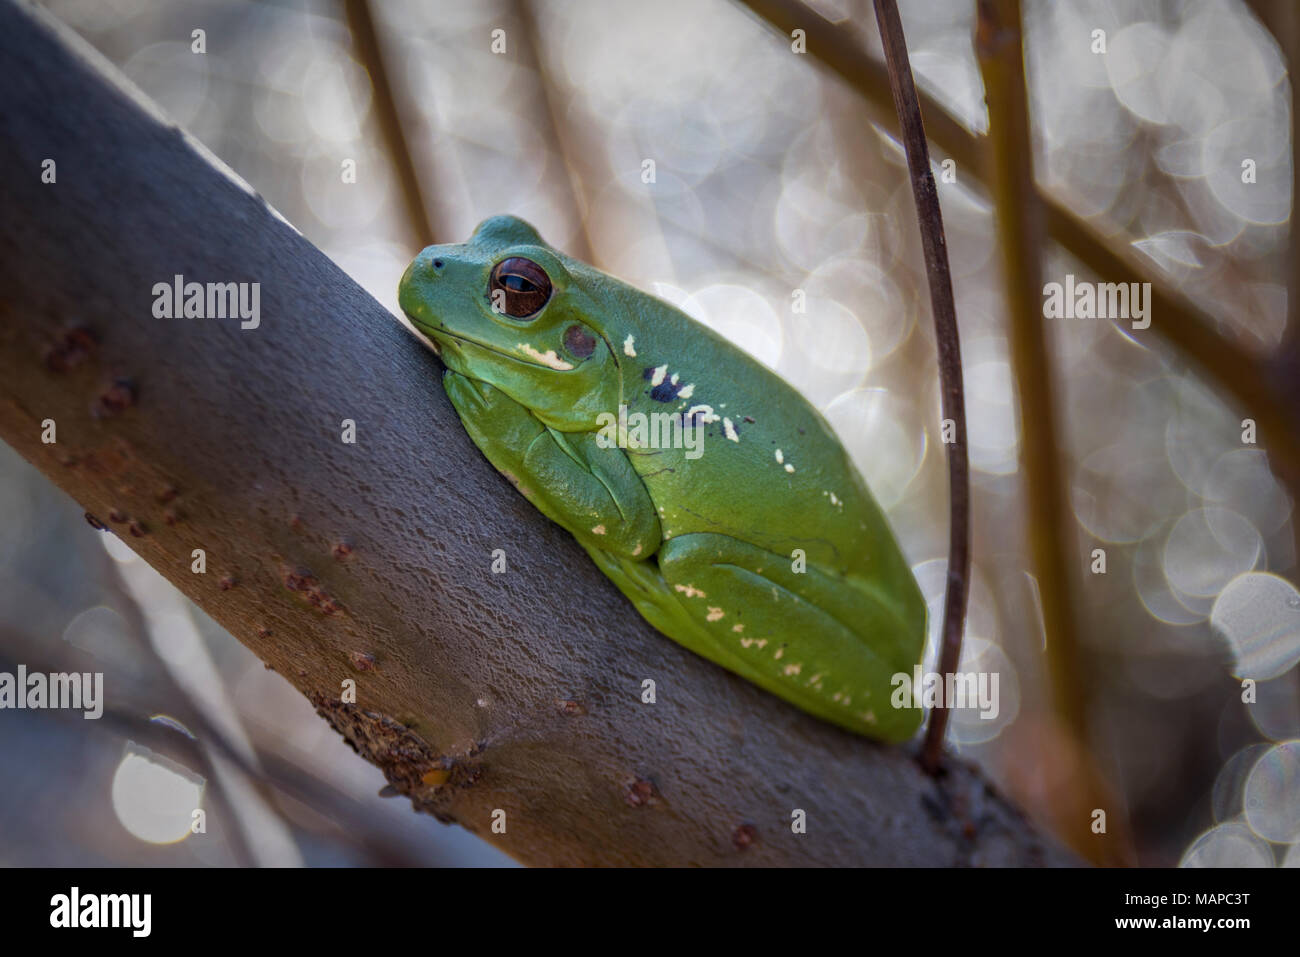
371,561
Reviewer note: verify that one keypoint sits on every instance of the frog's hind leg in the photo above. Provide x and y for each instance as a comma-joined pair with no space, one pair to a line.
645,587
829,644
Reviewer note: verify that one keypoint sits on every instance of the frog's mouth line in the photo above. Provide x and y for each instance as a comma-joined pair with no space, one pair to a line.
432,337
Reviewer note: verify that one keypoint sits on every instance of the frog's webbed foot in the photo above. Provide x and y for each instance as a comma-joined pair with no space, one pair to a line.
828,644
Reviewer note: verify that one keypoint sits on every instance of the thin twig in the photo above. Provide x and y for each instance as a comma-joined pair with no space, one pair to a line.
370,54
930,220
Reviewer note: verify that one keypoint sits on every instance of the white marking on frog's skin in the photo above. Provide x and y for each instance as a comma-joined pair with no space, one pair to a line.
629,347
547,358
835,501
673,380
686,391
658,377
793,669
869,717
730,430
815,678
690,591
753,642
636,551
841,698
598,530
789,467
714,614
707,414
779,653
737,628
780,456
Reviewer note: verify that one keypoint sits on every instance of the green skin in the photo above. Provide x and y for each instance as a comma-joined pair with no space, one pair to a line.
705,548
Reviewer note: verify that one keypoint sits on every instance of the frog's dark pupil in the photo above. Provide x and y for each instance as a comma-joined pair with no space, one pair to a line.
520,286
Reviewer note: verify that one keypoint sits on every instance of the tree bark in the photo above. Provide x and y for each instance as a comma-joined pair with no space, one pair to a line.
478,693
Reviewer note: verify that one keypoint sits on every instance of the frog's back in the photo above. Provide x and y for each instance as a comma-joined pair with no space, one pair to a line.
770,469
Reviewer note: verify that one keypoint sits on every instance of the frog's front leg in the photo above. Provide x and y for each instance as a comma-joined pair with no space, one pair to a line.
592,492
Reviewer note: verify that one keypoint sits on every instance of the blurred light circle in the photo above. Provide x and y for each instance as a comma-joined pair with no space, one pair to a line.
103,632
1275,712
883,436
155,798
1119,491
742,316
831,338
981,614
174,77
1207,548
335,92
1227,796
1197,432
1259,140
865,290
1272,795
1133,61
1242,480
1181,159
341,205
819,216
1230,844
1191,104
991,666
1153,587
1258,615
992,416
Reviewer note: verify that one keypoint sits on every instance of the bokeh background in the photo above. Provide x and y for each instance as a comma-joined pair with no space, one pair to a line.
769,176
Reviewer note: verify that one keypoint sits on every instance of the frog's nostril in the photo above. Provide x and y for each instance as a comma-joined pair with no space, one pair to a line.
437,264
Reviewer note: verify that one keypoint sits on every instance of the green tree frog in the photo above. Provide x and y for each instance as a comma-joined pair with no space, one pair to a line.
702,484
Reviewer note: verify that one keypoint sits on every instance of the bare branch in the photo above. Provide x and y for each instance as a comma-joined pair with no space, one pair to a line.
930,221
999,46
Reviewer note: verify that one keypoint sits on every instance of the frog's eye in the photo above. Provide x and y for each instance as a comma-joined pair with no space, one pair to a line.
519,286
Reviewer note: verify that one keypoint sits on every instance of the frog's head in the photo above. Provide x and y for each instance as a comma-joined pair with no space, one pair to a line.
507,309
